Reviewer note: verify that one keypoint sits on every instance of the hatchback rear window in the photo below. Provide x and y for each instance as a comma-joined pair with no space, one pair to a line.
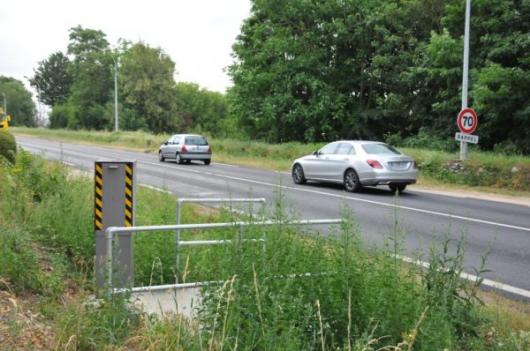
195,140
380,149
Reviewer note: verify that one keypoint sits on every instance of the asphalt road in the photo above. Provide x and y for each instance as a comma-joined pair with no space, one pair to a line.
501,229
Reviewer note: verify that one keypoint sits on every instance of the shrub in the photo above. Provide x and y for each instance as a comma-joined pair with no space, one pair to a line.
8,146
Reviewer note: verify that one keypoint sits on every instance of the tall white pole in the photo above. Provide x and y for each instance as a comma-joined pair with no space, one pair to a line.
116,126
465,73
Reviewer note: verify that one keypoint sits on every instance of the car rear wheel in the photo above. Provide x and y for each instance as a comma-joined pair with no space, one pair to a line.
298,174
160,157
178,159
207,162
397,187
351,181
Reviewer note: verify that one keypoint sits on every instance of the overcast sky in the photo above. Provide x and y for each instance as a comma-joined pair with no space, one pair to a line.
197,34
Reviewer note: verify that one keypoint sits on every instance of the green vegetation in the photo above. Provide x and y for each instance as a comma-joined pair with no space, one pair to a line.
311,71
79,87
355,300
19,103
8,146
496,171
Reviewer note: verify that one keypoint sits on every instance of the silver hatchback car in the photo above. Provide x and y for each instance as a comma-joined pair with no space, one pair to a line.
357,163
185,148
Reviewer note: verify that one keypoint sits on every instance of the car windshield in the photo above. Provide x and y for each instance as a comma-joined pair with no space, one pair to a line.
196,140
380,149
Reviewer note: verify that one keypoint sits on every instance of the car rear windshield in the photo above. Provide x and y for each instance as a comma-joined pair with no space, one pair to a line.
195,140
380,149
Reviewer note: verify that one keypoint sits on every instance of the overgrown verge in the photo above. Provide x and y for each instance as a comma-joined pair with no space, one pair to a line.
481,169
353,299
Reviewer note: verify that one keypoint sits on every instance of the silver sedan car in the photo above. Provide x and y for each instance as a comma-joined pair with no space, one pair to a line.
185,148
357,163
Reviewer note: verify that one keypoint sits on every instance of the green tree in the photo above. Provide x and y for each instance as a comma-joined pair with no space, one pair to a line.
19,102
201,109
308,70
52,79
364,69
148,88
92,76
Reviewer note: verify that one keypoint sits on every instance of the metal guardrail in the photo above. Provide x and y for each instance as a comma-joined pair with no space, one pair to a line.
224,200
111,231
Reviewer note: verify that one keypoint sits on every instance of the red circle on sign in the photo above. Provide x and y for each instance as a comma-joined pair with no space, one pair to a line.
467,120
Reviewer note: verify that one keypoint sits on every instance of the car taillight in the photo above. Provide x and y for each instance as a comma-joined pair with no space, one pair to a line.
414,165
209,148
183,149
374,164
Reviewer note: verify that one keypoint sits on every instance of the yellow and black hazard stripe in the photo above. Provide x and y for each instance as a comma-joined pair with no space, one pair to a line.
129,194
98,198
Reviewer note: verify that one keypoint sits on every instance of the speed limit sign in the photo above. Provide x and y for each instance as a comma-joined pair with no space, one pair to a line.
467,120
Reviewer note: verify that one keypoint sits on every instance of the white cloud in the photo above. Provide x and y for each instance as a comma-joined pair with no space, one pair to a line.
197,34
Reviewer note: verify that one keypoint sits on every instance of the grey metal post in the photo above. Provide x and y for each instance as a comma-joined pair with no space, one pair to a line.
114,206
177,248
116,123
463,144
108,238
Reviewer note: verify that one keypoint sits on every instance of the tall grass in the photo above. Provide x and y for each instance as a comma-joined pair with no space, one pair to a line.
352,298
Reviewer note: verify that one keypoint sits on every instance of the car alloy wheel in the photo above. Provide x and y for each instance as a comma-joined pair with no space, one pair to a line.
351,181
298,174
178,159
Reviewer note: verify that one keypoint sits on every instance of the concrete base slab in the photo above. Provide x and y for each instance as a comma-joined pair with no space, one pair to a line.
180,300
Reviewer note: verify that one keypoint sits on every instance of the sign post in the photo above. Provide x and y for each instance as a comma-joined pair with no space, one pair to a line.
463,145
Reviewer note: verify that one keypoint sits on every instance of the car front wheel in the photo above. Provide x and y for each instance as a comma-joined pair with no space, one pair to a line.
161,158
298,174
351,181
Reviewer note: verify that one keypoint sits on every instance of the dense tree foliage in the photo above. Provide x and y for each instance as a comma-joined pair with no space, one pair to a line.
52,79
201,109
148,87
80,88
93,79
312,70
20,105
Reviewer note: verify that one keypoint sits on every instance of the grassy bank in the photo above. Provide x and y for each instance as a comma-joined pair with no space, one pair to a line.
356,299
482,169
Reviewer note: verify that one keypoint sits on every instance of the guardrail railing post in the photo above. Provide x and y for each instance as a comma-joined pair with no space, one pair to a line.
109,238
177,244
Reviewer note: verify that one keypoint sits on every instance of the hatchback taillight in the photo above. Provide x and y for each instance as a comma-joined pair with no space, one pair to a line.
374,164
183,149
209,148
414,165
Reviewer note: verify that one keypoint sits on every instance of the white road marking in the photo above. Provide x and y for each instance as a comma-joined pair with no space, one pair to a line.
351,198
225,164
156,189
473,278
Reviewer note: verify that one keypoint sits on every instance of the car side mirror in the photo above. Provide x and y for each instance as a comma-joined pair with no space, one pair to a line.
166,142
316,153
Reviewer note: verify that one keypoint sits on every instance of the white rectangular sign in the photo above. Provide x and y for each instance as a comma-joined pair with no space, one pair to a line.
468,138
